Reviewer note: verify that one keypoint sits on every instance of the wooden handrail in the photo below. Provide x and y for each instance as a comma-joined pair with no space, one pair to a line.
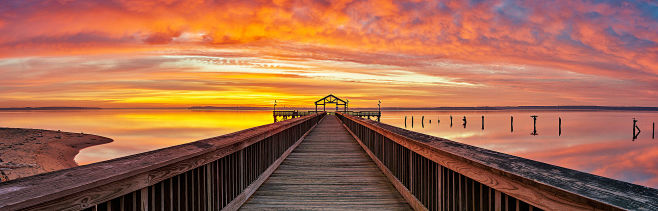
498,178
133,177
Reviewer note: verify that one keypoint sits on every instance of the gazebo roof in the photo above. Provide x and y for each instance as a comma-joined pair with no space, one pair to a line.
330,99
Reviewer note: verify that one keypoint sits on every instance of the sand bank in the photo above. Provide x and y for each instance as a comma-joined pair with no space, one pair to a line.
26,152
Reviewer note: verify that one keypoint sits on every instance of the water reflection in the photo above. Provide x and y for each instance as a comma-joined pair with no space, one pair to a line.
594,142
136,131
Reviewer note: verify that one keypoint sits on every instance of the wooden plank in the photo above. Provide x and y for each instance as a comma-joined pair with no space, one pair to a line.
542,185
328,170
406,194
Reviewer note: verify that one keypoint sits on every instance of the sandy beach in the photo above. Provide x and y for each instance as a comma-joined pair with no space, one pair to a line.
26,152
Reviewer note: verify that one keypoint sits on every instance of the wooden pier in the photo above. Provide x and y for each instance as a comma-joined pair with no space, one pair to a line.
323,161
290,114
328,170
329,99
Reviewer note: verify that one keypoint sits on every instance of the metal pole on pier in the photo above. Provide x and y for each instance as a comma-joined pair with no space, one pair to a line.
379,106
511,124
379,113
450,120
412,121
274,112
482,122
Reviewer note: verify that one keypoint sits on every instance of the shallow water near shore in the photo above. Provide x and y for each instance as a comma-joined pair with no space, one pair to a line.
598,142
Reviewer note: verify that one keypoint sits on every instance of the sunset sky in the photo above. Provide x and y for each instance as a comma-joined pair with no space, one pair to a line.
168,53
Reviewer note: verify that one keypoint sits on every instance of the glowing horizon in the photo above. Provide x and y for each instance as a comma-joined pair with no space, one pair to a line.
129,53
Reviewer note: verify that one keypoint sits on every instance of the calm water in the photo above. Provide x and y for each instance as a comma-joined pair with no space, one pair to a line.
135,131
597,142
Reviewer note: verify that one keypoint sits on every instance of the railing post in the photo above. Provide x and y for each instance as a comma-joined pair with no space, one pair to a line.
209,185
411,172
497,200
144,202
241,167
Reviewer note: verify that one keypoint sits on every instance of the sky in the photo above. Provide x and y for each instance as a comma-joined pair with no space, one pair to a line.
170,53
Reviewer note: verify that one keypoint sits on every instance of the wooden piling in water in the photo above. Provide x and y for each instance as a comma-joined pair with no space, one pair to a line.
559,133
422,122
511,124
635,135
534,125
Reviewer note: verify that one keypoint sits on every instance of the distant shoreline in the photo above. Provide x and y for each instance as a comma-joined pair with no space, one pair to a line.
451,108
47,108
464,108
548,108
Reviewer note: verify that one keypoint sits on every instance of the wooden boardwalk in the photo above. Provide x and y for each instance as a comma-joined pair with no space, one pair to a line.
328,171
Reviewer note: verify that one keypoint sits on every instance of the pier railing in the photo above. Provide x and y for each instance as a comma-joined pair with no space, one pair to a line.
294,113
362,113
211,174
437,174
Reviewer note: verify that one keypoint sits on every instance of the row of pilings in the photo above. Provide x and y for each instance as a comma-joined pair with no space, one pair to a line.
636,128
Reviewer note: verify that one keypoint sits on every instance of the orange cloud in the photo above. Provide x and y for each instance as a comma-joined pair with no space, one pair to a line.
585,46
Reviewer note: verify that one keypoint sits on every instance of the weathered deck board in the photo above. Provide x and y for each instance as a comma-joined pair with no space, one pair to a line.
329,170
